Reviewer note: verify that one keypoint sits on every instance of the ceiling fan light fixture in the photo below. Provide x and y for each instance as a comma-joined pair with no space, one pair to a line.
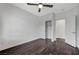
40,6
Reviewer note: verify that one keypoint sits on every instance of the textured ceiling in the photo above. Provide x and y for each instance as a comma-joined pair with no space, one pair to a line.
58,8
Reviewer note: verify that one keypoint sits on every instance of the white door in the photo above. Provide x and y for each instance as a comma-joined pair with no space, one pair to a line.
70,30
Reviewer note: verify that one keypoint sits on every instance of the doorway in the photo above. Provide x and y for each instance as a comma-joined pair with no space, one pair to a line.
60,28
48,25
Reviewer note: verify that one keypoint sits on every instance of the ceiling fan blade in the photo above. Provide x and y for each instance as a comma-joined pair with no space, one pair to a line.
39,10
32,4
50,6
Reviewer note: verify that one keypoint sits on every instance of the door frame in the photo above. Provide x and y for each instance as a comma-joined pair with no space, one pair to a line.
55,25
46,28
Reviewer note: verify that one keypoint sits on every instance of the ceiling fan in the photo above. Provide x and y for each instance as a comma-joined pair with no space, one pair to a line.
40,5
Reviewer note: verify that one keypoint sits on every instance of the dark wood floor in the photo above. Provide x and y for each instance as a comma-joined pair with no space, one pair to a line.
42,47
60,47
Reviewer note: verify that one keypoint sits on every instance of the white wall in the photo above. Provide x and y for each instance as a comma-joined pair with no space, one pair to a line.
69,17
43,19
60,28
77,27
42,26
18,26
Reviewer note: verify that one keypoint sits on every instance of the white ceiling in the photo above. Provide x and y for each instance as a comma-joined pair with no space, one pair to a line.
58,7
